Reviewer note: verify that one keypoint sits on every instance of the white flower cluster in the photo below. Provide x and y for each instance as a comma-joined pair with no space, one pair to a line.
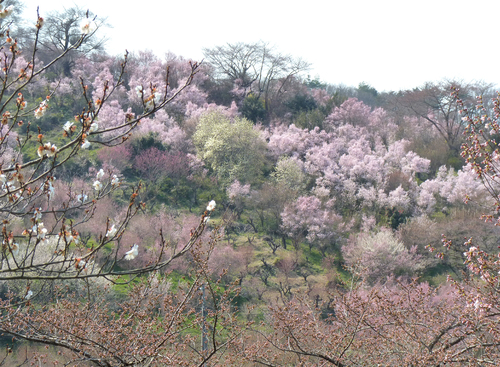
92,128
37,214
13,43
87,26
81,264
70,237
211,206
21,103
81,198
139,91
69,127
40,22
40,111
132,253
152,100
111,231
40,231
38,228
472,252
98,184
13,246
47,149
9,186
49,187
4,13
478,305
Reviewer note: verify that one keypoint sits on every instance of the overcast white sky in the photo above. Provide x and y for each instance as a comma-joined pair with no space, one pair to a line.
389,44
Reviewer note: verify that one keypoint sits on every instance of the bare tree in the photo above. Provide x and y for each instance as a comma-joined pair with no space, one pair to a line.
62,31
256,68
434,103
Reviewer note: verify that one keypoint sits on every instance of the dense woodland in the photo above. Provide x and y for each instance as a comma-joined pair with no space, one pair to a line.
158,211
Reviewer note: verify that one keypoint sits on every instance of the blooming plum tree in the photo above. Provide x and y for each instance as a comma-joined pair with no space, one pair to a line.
43,248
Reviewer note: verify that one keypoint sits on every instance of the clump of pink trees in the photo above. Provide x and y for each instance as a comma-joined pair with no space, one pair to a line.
398,321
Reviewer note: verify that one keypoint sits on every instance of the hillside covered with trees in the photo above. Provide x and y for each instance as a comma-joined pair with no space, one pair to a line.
158,211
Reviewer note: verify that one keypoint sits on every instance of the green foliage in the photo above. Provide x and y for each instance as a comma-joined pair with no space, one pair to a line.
315,83
120,196
432,149
301,102
177,279
79,166
181,193
366,88
219,92
338,98
455,162
315,257
122,289
253,108
309,119
267,205
233,150
147,142
397,217
212,192
367,94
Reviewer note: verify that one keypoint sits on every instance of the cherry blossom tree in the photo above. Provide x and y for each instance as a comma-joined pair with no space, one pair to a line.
28,187
450,187
306,219
266,206
400,322
353,166
480,150
238,194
